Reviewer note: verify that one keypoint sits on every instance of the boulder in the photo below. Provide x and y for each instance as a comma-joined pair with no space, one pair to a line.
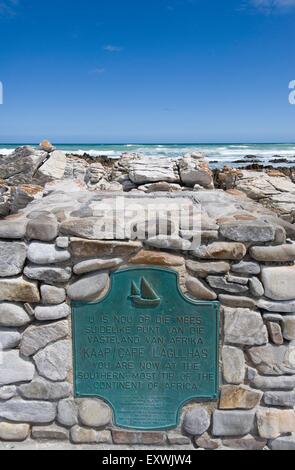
45,254
196,421
37,337
277,307
83,249
279,282
94,413
88,287
289,328
199,290
18,289
194,170
13,315
50,433
248,232
239,397
234,365
221,283
48,274
41,389
272,423
246,267
221,251
14,369
52,295
92,265
23,194
14,432
9,338
13,228
67,412
274,360
152,170
273,254
244,327
149,257
53,168
233,423
202,269
12,258
44,228
36,412
54,362
52,312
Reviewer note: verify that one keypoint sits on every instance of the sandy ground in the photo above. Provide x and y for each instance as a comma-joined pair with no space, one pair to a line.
32,445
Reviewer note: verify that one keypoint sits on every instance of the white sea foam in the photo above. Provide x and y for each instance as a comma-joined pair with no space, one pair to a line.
5,151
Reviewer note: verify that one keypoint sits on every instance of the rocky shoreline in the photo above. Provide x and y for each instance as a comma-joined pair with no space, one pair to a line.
52,254
30,174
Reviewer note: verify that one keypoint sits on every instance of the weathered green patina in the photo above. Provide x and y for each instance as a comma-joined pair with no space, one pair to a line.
146,349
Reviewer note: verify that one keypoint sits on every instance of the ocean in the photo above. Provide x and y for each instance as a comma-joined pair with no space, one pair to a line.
216,154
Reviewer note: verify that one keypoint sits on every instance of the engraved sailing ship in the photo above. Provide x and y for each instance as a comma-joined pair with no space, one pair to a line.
144,296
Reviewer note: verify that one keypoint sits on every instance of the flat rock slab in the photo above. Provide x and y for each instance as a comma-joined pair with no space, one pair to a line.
52,295
203,269
199,290
37,412
83,249
244,327
248,232
19,290
97,265
276,307
273,254
52,312
272,423
44,254
221,251
37,337
13,315
234,365
239,397
14,432
13,228
233,423
14,369
153,170
41,389
279,282
88,287
9,338
44,228
48,274
274,360
12,258
54,362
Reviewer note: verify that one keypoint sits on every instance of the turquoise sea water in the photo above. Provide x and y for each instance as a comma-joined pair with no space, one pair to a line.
217,154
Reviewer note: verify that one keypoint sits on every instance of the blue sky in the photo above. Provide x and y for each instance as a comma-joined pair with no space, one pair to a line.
147,71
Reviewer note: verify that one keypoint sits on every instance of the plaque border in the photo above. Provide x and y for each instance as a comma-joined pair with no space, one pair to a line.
201,399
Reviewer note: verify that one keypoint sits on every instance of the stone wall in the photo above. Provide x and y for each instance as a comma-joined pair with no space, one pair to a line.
49,256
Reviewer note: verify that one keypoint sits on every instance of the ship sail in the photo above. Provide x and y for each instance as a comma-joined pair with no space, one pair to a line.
147,292
135,290
145,296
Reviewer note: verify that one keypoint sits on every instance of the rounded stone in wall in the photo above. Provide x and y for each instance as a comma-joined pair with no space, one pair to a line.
196,421
94,413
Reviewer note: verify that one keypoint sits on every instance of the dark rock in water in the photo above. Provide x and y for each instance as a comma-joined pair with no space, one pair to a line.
247,157
279,160
247,161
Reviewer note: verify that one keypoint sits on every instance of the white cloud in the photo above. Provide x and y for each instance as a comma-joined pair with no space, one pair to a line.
8,7
269,5
112,48
98,71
